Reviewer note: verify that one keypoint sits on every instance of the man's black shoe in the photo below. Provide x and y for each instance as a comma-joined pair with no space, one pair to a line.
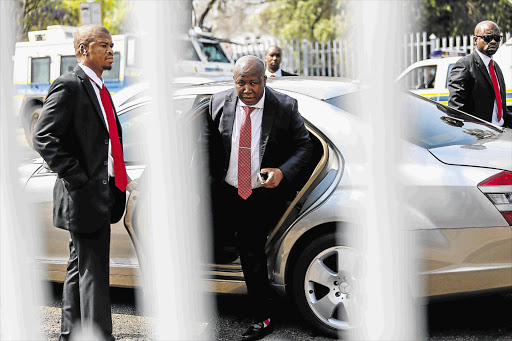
257,331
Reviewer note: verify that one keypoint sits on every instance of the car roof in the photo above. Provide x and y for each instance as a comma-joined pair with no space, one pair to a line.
321,88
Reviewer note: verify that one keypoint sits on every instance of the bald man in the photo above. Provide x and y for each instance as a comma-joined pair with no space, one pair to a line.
273,58
257,145
79,136
476,83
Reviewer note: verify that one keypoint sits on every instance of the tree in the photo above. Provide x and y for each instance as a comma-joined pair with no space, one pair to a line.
458,17
319,20
38,14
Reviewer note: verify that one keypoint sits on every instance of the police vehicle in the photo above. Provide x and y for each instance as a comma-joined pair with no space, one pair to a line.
429,77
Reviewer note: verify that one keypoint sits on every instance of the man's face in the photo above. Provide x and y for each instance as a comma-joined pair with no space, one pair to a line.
273,59
487,48
249,85
100,55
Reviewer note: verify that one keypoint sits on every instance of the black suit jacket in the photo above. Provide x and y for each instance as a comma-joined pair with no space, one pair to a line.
72,137
471,88
285,142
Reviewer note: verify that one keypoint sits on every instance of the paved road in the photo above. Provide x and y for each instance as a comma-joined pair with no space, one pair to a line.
470,318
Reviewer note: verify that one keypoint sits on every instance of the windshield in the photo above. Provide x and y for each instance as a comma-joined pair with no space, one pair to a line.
425,123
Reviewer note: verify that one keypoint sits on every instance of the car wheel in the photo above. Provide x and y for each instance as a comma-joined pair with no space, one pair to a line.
326,280
31,122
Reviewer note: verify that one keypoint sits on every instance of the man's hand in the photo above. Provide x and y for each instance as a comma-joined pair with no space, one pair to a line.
274,177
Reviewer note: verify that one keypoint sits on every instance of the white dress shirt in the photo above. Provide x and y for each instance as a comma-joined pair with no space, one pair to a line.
278,73
256,118
486,60
99,82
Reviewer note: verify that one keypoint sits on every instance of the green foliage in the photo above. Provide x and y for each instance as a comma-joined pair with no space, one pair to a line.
319,20
459,17
35,15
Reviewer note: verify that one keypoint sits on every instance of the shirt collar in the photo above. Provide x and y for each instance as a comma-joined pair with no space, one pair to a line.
258,105
92,75
278,73
485,59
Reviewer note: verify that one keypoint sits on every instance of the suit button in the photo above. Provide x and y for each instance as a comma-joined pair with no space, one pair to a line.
104,182
106,141
105,163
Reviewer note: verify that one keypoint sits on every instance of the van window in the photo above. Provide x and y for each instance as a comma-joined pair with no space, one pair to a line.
450,67
67,64
213,52
113,74
420,78
40,70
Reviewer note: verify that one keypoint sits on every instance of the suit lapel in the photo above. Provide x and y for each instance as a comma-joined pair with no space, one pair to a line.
482,68
90,91
269,113
227,120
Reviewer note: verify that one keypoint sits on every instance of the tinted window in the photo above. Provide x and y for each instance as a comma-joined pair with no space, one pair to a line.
420,78
40,70
213,52
113,74
67,64
425,123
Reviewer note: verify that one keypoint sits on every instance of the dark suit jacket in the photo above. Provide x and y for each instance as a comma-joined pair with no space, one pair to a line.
284,73
471,89
72,137
285,142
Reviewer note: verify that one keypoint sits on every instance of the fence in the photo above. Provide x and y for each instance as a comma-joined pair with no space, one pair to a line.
335,58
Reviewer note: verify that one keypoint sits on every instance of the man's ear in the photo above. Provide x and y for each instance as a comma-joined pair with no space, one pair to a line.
265,80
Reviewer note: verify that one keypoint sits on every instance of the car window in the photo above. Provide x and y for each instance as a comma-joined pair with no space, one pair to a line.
133,123
431,125
420,78
450,67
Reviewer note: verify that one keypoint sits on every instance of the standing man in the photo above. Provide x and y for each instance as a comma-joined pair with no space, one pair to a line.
273,59
79,136
476,83
253,129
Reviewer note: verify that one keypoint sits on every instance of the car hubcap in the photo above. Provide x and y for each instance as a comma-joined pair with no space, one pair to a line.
331,285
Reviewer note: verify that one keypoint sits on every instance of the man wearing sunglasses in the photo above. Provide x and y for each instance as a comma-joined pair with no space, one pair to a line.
476,83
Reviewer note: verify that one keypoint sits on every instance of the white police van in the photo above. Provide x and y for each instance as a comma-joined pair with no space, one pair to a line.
50,53
429,77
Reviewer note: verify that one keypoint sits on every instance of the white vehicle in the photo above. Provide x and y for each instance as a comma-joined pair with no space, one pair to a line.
429,77
50,53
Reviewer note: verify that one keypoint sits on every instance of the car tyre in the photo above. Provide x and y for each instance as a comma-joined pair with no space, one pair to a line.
325,282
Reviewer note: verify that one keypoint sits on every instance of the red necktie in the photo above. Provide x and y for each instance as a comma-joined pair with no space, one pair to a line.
496,89
117,152
244,156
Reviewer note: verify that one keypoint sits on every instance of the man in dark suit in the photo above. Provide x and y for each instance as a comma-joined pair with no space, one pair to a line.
273,58
254,131
79,136
476,83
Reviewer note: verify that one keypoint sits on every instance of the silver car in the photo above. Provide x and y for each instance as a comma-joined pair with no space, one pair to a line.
459,178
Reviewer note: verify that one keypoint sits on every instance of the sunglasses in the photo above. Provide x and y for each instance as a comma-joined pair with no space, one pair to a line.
489,38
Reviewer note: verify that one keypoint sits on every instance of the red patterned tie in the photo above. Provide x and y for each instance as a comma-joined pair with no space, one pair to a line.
117,152
496,89
244,156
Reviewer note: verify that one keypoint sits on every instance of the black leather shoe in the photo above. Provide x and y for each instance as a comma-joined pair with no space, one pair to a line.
257,331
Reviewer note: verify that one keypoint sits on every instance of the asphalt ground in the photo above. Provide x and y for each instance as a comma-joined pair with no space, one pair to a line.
469,318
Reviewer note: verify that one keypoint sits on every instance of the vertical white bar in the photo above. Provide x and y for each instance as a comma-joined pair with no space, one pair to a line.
176,230
388,289
20,290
